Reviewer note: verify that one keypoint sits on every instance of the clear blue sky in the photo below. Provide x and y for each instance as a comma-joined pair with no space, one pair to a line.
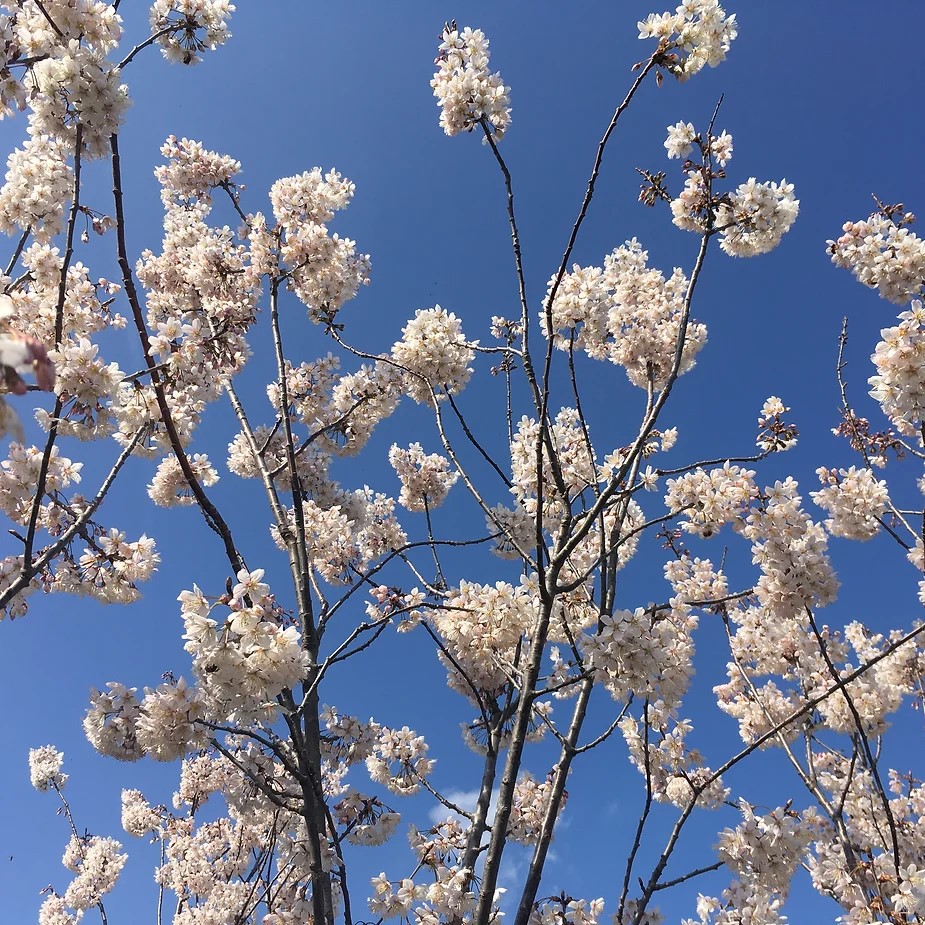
826,95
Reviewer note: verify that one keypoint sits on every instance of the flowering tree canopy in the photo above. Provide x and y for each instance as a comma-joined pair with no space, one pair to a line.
442,628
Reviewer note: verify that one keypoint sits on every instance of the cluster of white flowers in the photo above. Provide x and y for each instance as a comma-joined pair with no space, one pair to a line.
162,724
791,551
434,354
574,463
169,486
366,819
708,500
166,726
466,90
775,434
360,401
138,817
399,760
244,661
325,270
677,774
529,803
425,478
348,741
756,217
97,862
751,220
94,22
201,299
19,474
874,695
45,768
38,185
627,313
764,851
194,26
85,386
110,723
641,653
481,625
854,499
394,900
681,139
109,569
78,87
515,529
899,358
566,910
698,32
883,254
192,171
694,580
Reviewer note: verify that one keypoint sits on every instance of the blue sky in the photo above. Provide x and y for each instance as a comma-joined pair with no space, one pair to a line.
818,93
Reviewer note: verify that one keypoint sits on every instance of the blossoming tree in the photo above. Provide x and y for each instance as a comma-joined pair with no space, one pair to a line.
280,793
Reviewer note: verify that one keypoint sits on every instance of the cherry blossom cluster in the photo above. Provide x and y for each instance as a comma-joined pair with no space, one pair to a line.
95,861
627,313
481,626
756,217
530,803
708,500
399,760
190,27
245,660
434,355
791,551
640,653
854,499
899,384
345,536
162,724
764,851
466,91
566,910
514,528
573,467
875,695
425,477
448,898
396,900
192,172
683,138
883,253
347,742
41,28
201,299
339,409
751,220
366,819
109,568
676,773
45,768
78,87
325,270
698,33
19,474
39,184
876,881
169,487
775,433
